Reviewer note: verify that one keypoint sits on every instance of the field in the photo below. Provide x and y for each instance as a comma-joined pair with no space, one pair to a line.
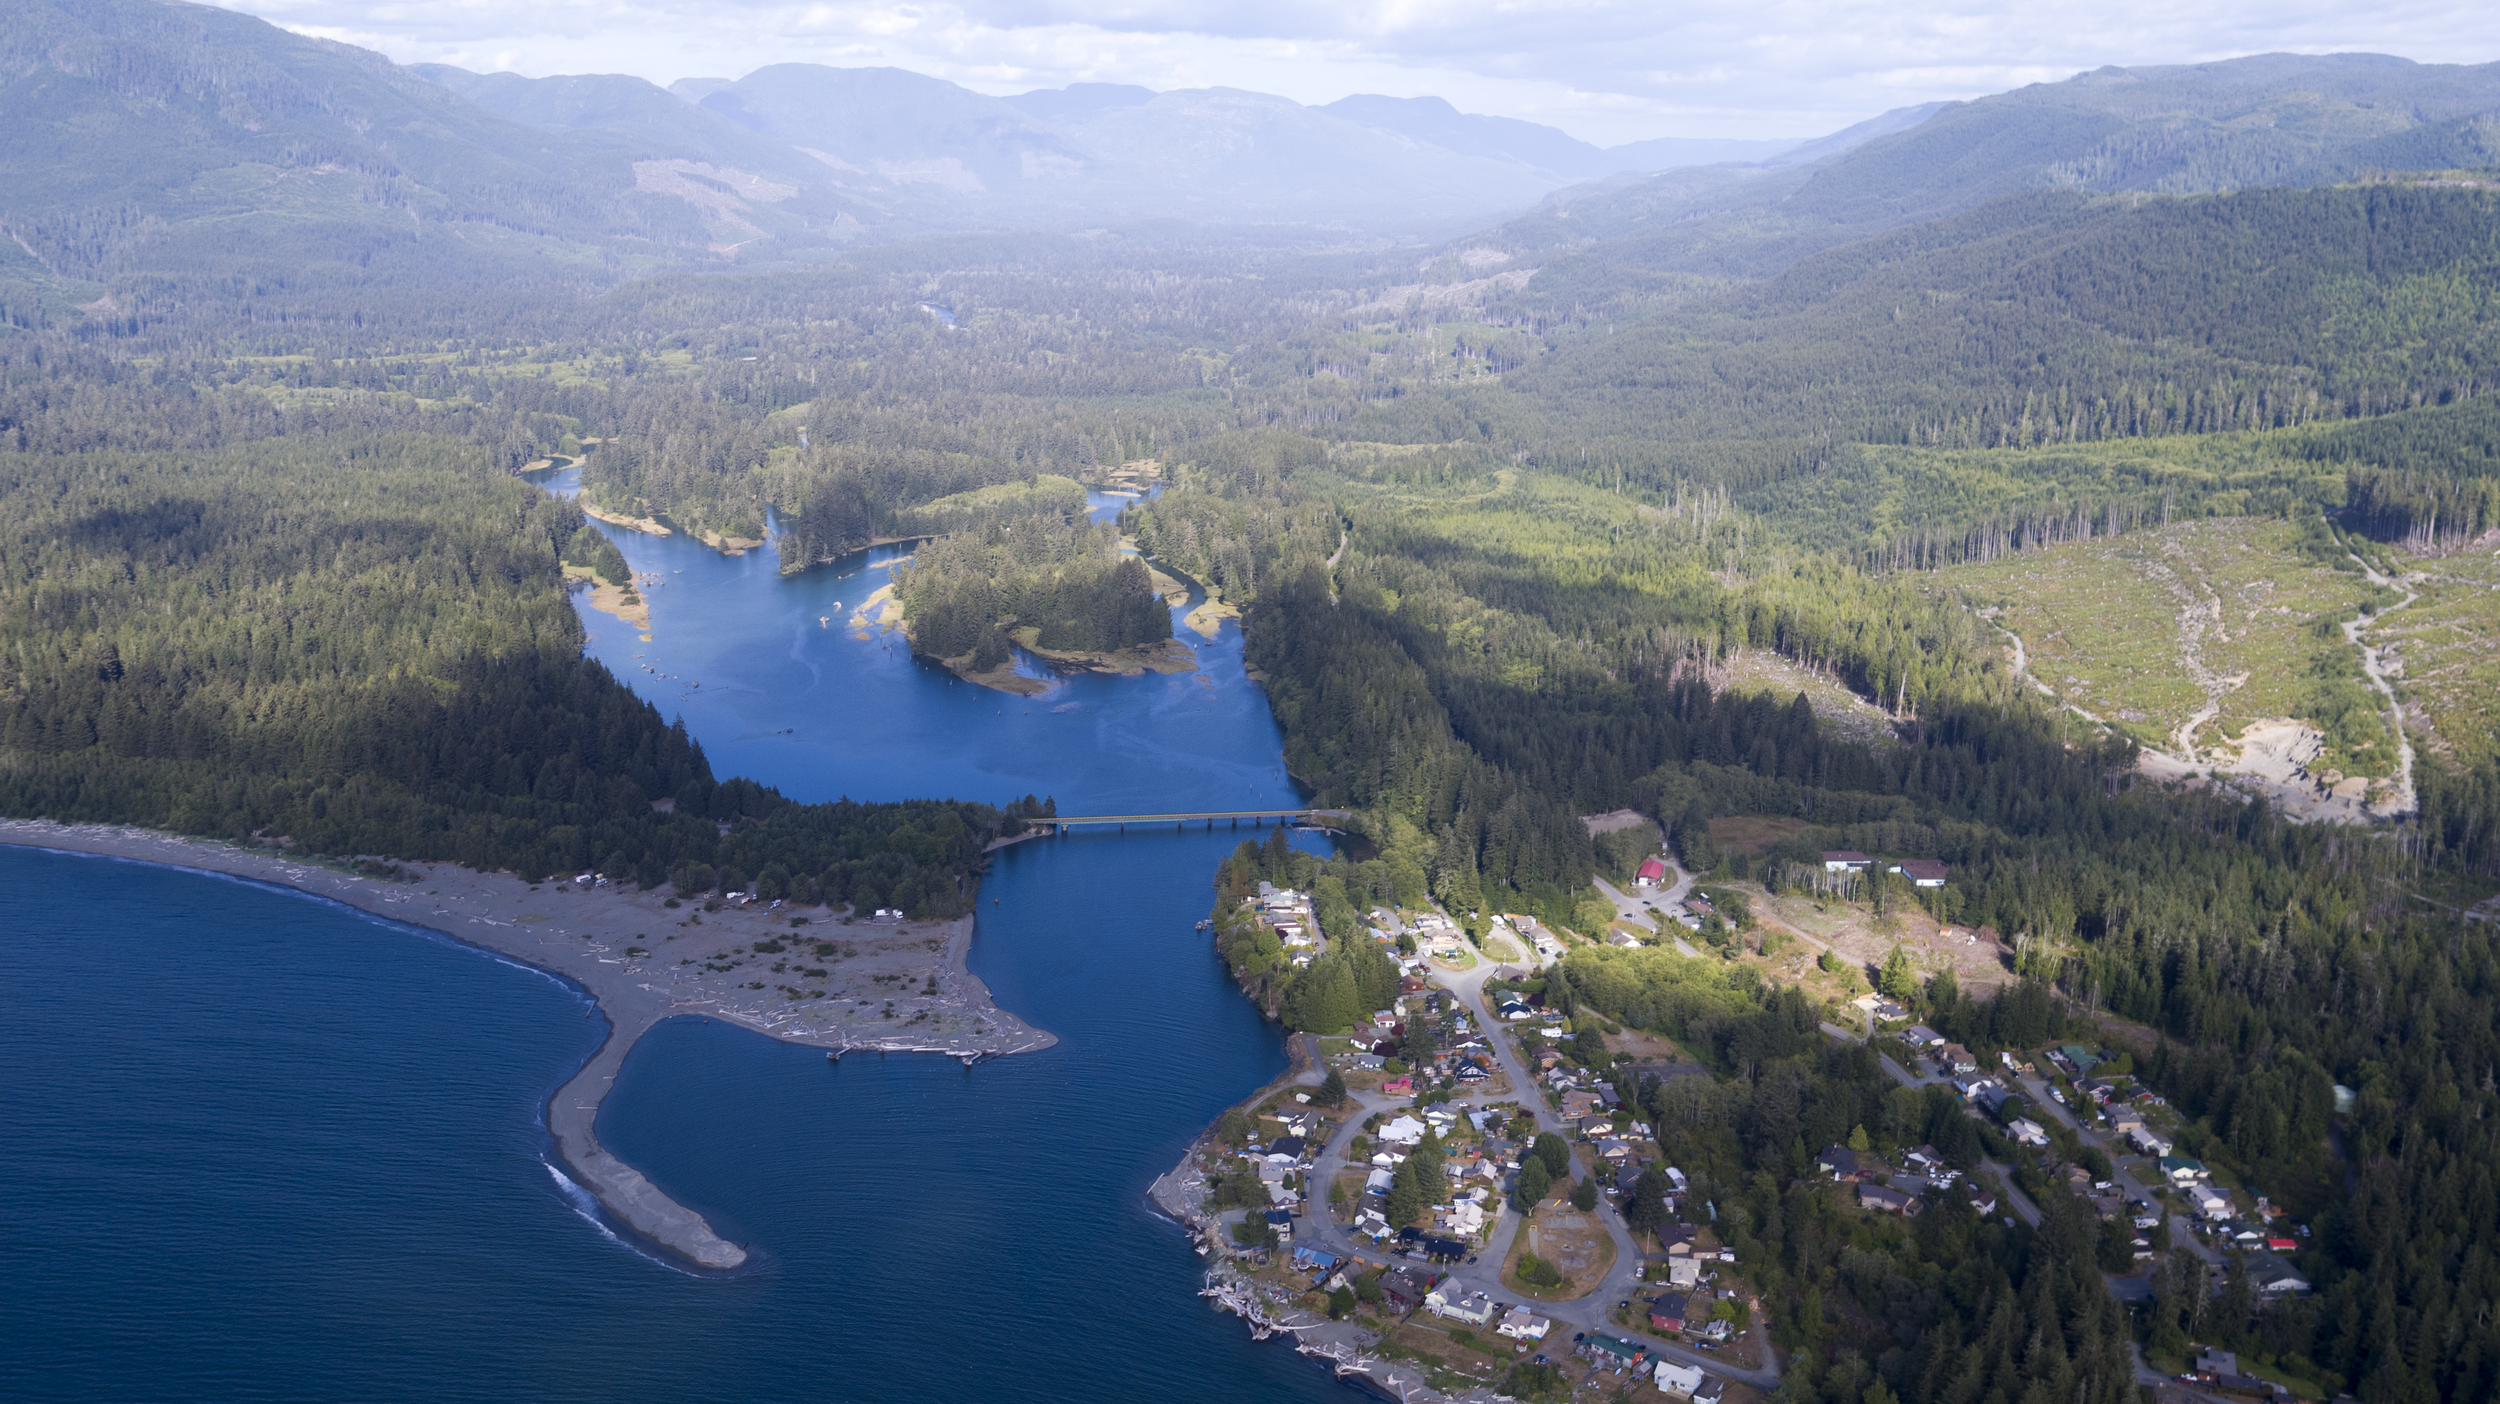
2182,636
2448,646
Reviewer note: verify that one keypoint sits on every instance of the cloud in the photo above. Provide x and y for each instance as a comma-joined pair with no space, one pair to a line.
1606,70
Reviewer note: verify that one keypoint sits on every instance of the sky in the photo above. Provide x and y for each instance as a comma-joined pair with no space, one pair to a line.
1607,71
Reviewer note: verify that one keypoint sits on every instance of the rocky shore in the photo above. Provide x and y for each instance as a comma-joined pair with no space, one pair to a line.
808,976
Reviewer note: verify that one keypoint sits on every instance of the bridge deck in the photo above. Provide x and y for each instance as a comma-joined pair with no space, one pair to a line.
1063,820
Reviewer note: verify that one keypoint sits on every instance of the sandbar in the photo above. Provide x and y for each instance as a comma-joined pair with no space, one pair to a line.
836,982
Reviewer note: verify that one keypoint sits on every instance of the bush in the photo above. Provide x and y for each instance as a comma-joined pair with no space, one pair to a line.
1584,1196
1537,1272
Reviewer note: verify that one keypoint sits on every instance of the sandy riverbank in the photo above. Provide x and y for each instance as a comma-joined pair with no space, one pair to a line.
862,986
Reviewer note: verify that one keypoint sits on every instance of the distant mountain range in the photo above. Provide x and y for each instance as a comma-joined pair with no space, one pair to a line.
137,134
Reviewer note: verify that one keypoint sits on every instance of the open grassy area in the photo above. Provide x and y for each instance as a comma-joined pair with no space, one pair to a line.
2181,635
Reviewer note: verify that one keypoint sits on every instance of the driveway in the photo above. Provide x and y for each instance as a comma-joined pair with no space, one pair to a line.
1634,907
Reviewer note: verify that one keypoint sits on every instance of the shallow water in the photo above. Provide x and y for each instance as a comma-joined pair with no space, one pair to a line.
263,1147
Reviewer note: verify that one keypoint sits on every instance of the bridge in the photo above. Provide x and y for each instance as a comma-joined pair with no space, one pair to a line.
1061,823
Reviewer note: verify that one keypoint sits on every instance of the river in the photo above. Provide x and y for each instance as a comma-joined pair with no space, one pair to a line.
264,1147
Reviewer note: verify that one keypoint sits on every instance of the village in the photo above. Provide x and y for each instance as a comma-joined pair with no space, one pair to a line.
1458,1200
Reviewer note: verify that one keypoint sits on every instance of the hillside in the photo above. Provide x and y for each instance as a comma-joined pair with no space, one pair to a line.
2274,119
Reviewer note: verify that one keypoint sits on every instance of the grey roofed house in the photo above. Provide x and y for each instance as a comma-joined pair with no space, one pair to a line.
1921,1036
1839,1162
1287,1146
1890,1201
1922,872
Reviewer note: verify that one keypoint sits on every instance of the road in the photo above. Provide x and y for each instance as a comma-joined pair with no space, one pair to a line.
2012,1197
1590,1312
1634,907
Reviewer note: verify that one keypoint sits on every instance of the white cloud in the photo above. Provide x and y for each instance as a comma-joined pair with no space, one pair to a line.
1606,70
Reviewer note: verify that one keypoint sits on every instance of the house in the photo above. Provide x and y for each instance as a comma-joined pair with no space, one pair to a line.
1290,1147
1513,1008
2210,1202
2026,1132
1403,1289
2182,1171
1846,860
2082,1059
1678,1379
1982,1199
1652,874
1614,1152
1922,872
1472,1071
1684,1272
1449,1302
1667,1313
1888,1200
1436,1246
1921,1036
1523,1325
1677,1238
1958,1058
1839,1162
2273,1277
1380,1181
1404,1131
2147,1142
1281,1220
1596,1126
1606,1350
1313,1260
1401,1086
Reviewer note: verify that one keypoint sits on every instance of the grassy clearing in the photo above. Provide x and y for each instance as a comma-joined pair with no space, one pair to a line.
2448,642
2147,630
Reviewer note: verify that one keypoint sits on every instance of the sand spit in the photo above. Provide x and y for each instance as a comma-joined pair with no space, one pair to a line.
861,986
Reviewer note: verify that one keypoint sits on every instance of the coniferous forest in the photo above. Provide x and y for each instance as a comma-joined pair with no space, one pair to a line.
1504,556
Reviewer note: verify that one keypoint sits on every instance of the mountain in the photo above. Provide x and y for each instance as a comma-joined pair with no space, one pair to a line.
1205,151
1434,120
1668,153
2275,119
142,135
905,127
1078,101
622,103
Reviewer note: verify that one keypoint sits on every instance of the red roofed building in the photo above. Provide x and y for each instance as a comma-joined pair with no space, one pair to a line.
1652,874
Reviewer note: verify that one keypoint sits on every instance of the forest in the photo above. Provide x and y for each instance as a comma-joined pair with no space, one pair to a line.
1501,557
1046,582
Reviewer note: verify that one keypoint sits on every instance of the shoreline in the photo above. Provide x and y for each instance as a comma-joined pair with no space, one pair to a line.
594,948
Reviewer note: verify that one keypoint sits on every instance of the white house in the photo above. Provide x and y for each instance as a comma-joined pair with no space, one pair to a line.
2027,1131
1521,1324
1404,1131
1475,1308
1675,1378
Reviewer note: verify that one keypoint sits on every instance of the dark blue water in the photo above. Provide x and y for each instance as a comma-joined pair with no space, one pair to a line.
261,1147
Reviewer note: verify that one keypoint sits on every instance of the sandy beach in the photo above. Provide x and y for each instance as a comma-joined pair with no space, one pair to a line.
807,975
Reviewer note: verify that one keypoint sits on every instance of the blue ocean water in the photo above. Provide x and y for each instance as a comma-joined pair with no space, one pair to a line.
263,1147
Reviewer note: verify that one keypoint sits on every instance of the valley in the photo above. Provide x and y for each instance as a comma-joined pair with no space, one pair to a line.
1870,696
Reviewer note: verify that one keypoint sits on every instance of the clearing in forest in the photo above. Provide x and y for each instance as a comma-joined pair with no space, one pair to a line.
2444,651
2182,636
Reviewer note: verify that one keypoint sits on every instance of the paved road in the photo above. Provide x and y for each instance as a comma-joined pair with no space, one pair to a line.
1590,1312
2012,1197
1634,907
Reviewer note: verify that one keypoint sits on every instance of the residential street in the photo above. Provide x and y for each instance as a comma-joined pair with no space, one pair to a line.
1590,1312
